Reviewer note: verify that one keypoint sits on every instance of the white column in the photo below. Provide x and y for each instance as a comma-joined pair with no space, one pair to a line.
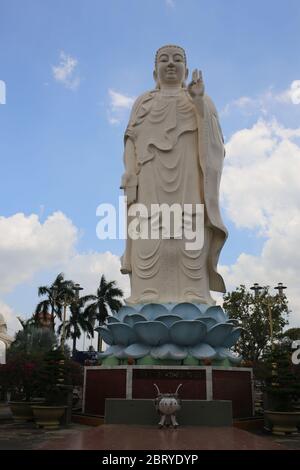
129,383
84,386
253,394
209,383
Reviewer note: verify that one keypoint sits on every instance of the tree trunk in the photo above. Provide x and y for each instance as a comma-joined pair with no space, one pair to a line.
52,317
99,347
74,346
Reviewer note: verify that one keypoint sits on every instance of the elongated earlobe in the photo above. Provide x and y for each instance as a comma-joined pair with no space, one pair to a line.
156,80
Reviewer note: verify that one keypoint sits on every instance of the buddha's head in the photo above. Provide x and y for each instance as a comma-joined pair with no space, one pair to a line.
170,66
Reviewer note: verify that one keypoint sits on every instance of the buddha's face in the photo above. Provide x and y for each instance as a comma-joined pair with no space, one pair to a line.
170,67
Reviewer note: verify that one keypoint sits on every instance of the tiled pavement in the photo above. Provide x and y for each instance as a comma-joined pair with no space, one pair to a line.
122,437
116,437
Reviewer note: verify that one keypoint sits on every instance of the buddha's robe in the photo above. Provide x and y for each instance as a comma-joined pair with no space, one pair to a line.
179,157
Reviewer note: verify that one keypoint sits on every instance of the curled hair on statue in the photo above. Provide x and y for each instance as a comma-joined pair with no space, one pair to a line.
170,45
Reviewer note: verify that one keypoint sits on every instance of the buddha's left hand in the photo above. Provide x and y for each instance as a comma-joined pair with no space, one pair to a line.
196,87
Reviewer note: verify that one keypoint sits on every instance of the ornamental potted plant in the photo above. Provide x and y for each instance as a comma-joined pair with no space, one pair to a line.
282,386
19,377
52,383
57,377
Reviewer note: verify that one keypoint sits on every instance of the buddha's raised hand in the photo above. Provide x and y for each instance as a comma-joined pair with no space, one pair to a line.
196,87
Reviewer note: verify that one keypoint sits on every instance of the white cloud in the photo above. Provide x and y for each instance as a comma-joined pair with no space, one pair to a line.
260,191
120,101
260,186
87,268
65,72
170,3
292,94
28,246
2,92
243,103
119,105
263,102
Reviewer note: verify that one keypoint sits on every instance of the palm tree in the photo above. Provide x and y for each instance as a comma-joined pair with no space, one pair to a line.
78,321
56,294
107,298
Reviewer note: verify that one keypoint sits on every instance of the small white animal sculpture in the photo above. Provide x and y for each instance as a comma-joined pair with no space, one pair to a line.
167,404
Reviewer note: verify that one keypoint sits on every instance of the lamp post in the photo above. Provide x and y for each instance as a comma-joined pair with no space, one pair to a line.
64,303
54,292
67,301
76,288
269,302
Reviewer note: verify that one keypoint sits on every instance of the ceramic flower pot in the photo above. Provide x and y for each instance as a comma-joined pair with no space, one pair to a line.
21,410
48,417
283,422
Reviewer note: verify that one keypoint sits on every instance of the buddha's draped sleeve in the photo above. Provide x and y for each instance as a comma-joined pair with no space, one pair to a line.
139,111
211,156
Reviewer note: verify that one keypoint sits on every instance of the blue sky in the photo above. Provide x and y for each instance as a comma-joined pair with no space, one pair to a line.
59,149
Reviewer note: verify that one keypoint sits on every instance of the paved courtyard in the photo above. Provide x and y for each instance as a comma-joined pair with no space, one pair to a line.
123,437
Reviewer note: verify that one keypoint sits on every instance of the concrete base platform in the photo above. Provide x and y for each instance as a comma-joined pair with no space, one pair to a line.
192,413
198,383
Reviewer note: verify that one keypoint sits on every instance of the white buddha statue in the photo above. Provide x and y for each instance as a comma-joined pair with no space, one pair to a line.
174,154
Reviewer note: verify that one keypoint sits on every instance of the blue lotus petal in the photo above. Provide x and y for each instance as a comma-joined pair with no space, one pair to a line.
153,333
186,311
125,310
121,353
169,351
209,322
232,338
134,318
112,320
217,313
110,351
233,321
217,334
122,334
187,332
152,311
202,351
105,335
168,320
137,350
224,353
